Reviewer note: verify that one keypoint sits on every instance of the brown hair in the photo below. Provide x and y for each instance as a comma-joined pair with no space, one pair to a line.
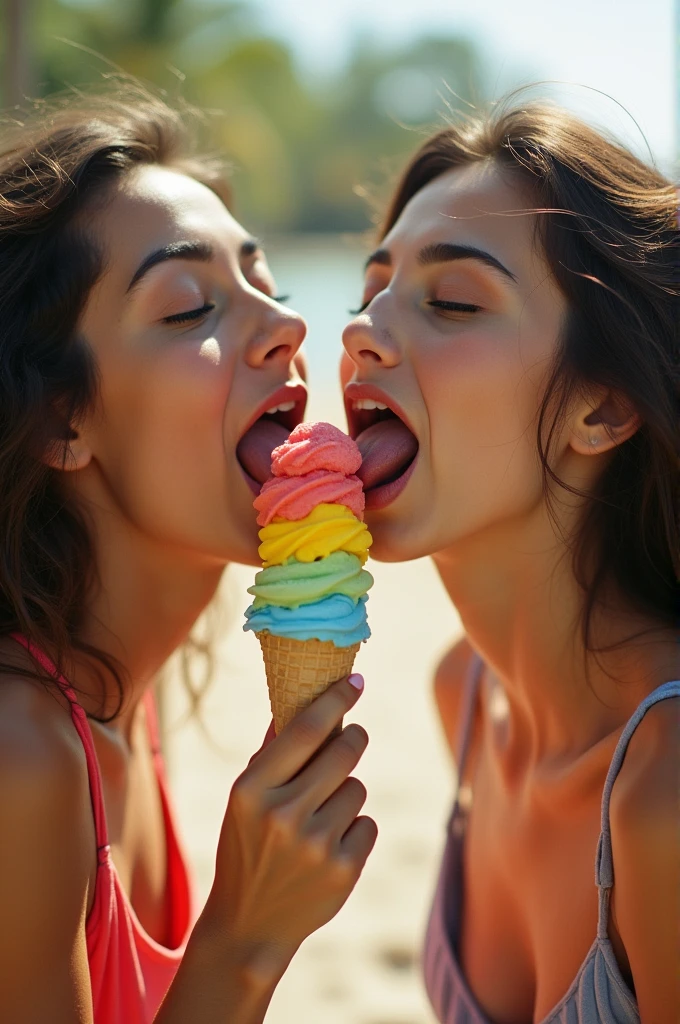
608,227
52,167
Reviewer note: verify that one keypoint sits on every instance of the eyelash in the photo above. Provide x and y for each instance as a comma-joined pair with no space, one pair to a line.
458,307
196,314
191,314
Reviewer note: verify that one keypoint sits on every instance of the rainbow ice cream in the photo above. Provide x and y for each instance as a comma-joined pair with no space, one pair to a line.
309,607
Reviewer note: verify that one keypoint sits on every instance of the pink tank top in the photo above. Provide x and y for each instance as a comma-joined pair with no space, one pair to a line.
129,972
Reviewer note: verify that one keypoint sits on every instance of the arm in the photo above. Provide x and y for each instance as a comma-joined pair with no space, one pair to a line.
645,826
216,984
46,856
291,849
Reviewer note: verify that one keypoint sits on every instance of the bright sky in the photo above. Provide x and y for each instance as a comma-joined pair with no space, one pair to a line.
623,47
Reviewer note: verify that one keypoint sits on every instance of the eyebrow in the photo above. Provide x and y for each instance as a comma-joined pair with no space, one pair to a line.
381,257
202,252
444,252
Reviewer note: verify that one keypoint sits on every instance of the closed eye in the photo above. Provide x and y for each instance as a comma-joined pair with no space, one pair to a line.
191,314
456,307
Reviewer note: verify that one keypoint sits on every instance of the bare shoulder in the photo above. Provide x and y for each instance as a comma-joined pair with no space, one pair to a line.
645,817
449,676
46,856
36,732
44,788
646,788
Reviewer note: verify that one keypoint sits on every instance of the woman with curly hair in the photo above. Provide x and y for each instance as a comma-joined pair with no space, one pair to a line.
147,369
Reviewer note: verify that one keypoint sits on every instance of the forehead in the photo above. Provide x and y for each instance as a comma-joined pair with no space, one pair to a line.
475,203
153,206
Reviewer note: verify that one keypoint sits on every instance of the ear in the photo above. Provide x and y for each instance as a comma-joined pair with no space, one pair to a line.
603,423
67,454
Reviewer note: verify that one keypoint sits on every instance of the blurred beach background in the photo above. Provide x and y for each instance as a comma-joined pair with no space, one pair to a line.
317,104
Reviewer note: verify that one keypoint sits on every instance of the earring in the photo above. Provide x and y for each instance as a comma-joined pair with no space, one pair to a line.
593,441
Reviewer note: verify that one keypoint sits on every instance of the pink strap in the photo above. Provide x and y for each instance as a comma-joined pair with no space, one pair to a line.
83,728
152,722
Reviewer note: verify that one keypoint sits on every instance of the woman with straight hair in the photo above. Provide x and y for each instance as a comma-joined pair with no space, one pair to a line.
147,369
513,382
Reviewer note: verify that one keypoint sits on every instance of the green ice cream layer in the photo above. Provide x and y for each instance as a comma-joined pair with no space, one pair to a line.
297,583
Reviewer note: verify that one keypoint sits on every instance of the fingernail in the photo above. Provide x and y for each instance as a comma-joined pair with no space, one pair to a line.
357,681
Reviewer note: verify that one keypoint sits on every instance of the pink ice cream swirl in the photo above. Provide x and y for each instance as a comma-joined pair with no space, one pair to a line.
315,466
294,498
316,446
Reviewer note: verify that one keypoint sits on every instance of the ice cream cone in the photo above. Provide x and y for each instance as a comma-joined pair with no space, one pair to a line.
309,612
299,671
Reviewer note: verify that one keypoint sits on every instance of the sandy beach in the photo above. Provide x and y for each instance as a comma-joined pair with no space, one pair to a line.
363,967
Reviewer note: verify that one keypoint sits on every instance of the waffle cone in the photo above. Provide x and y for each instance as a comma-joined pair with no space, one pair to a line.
299,671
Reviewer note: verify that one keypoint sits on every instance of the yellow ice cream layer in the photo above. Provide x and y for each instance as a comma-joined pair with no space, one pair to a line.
326,529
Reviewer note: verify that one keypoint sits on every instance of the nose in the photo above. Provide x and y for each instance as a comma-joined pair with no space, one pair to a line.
366,344
278,338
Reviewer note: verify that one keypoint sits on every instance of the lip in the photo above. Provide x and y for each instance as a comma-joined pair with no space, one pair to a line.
253,484
380,497
355,391
290,392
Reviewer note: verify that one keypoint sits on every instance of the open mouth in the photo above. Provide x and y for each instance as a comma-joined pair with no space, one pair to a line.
388,446
272,424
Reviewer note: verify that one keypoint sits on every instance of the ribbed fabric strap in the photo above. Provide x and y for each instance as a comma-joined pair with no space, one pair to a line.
604,866
83,728
470,691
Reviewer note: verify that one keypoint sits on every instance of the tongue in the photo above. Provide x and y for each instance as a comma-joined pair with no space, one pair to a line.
255,448
386,449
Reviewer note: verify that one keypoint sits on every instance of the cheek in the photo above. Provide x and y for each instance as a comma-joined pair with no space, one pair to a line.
300,363
483,395
163,435
347,368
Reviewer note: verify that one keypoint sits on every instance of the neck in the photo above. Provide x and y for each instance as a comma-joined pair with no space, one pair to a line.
520,605
148,598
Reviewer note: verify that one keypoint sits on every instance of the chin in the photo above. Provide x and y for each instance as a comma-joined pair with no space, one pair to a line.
242,546
395,542
246,557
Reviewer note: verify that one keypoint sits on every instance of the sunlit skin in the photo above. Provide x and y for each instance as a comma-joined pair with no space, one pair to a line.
469,384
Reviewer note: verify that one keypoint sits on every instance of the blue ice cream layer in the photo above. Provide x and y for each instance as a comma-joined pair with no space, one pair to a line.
337,618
